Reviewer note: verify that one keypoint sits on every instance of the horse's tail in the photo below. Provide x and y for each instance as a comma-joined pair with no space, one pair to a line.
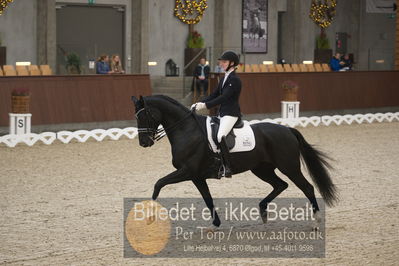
316,163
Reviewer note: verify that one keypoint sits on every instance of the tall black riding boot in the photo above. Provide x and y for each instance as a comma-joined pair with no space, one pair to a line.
225,156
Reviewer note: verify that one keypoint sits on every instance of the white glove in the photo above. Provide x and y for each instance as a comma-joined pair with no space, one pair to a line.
198,106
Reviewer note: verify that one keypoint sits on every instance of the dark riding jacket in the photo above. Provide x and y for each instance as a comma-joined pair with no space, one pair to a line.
227,96
197,71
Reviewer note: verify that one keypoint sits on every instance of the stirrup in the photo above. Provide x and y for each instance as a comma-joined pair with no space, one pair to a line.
224,172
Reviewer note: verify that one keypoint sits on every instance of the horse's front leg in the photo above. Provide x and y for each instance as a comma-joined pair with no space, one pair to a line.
203,188
172,178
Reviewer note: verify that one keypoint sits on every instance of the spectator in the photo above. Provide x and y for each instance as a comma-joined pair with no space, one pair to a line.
335,62
201,73
347,62
218,68
116,65
102,66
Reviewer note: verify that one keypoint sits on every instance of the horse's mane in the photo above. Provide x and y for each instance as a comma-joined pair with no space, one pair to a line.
171,100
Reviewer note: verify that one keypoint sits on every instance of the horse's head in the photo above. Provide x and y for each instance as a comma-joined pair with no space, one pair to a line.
148,120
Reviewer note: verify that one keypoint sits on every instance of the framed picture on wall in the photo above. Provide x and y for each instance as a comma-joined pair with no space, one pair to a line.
254,26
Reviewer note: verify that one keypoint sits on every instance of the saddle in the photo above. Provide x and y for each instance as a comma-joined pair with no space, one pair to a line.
230,138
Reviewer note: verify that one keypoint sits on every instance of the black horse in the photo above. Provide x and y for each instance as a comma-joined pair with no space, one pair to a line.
276,147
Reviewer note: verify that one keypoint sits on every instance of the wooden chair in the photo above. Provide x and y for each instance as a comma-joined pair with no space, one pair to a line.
247,68
46,70
280,68
34,70
255,68
9,70
287,68
303,68
325,67
318,68
240,68
8,67
263,68
1,72
271,68
295,68
22,71
310,68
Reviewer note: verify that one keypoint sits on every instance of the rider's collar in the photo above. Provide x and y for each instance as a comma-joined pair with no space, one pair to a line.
229,72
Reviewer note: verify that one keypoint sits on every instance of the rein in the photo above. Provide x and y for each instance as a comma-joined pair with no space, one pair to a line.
158,134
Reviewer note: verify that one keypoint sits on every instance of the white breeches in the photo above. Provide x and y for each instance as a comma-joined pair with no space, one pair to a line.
226,124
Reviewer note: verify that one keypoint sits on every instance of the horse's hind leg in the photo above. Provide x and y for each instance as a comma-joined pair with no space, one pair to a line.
308,189
291,167
304,185
294,173
267,174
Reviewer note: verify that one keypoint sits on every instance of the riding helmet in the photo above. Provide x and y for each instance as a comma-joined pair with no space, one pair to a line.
230,56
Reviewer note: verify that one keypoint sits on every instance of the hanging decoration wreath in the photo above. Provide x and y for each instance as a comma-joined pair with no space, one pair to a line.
190,11
3,5
322,12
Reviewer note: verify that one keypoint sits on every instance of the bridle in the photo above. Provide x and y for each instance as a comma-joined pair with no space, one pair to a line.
159,133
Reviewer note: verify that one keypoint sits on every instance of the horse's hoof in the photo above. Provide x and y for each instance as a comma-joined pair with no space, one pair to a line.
264,217
150,219
317,221
211,228
317,217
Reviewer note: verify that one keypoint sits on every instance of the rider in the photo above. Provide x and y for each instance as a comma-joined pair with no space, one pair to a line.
227,96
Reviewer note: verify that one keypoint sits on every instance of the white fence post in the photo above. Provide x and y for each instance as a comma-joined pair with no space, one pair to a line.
289,110
20,124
